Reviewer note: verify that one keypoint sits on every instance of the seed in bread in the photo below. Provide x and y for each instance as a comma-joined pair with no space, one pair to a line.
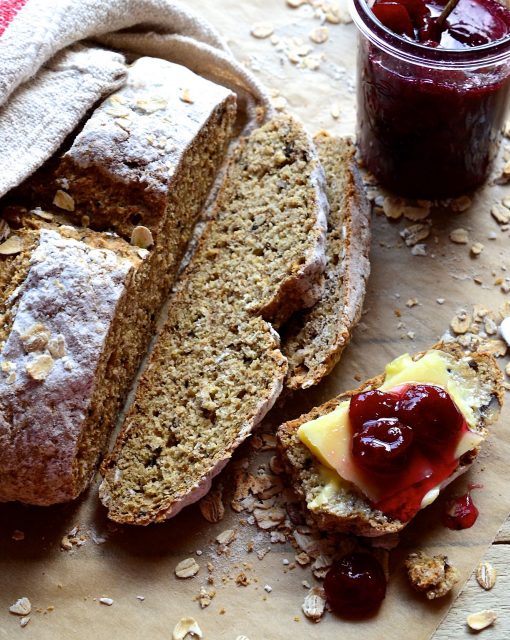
336,503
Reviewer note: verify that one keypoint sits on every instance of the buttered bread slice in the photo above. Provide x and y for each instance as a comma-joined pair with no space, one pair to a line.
217,368
367,461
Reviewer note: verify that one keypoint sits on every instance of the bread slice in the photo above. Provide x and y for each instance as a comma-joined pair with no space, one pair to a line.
313,340
217,368
349,510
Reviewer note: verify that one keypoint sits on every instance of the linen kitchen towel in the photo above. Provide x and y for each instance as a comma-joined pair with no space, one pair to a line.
58,57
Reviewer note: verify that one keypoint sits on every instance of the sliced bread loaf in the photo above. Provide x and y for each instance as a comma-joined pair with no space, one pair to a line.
142,165
313,340
345,507
216,368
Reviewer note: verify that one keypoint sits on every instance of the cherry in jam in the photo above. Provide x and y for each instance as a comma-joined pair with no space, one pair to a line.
405,441
435,419
381,446
355,585
460,513
371,405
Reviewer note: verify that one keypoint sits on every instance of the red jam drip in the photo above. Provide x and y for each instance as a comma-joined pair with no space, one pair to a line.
471,24
461,512
355,586
405,440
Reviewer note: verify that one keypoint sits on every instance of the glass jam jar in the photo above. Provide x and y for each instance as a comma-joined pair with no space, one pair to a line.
429,118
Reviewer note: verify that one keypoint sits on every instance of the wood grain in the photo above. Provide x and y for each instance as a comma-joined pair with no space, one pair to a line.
473,598
503,536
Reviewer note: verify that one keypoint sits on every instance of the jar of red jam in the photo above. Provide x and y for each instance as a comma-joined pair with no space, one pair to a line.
431,103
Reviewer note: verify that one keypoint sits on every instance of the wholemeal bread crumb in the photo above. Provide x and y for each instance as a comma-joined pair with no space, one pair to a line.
432,575
217,367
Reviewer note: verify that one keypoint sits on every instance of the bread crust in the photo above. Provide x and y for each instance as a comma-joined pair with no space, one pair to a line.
371,523
307,329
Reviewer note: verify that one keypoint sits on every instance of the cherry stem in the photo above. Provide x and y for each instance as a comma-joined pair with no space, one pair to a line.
445,13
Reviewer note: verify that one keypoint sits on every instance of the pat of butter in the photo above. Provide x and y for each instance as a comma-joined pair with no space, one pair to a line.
329,437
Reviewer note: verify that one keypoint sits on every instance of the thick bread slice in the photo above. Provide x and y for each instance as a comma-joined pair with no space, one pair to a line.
313,340
349,510
217,368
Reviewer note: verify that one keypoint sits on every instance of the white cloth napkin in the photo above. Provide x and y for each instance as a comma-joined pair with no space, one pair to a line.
59,57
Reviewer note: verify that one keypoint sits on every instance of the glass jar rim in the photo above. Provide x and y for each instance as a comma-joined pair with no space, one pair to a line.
378,34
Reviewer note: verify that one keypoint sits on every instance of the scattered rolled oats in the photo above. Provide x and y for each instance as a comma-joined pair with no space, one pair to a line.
226,537
242,638
185,96
319,35
187,568
22,607
24,621
142,237
393,207
40,367
415,233
412,302
211,507
481,619
106,601
186,629
262,30
459,236
419,211
268,588
12,246
500,213
461,204
461,322
269,518
63,200
294,4
419,250
35,338
57,346
335,111
321,566
477,248
486,575
303,558
314,604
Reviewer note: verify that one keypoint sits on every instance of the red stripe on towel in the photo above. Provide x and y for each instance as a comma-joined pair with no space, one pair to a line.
8,9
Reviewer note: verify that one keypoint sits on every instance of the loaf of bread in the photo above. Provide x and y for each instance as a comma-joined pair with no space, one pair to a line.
347,508
217,368
314,339
141,167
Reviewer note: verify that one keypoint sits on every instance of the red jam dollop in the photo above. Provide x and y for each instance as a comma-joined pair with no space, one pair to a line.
461,512
405,440
430,128
355,586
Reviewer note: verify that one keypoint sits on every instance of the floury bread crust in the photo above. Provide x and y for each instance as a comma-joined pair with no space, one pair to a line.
349,511
313,340
157,155
56,342
217,367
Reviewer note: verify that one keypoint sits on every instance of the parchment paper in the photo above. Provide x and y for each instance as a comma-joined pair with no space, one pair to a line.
123,563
